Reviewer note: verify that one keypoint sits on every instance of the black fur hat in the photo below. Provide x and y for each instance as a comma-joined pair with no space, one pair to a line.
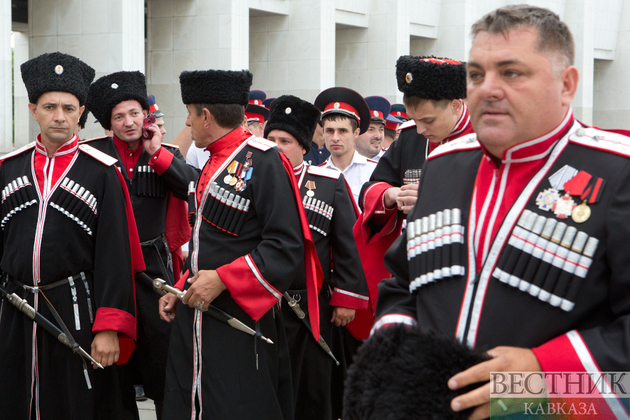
431,77
401,373
296,117
216,86
110,90
56,72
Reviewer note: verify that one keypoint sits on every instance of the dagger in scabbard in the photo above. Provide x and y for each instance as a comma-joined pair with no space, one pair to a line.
295,306
23,306
162,287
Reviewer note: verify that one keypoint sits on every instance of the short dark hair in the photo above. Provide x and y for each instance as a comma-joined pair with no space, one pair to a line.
226,115
390,133
340,117
553,35
412,101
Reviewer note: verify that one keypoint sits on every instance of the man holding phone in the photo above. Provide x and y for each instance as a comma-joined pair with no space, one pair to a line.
156,174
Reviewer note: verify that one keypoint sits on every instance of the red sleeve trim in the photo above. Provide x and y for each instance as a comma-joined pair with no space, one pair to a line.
112,319
569,353
248,287
346,299
182,280
161,160
376,215
558,355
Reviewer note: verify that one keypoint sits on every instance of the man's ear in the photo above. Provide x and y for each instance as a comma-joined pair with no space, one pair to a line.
456,105
207,116
33,109
570,78
357,133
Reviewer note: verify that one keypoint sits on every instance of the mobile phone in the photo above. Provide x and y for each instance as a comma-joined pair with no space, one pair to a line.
148,121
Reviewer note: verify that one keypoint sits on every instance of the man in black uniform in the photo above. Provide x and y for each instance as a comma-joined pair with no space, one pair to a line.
331,213
250,241
65,247
152,170
527,241
434,89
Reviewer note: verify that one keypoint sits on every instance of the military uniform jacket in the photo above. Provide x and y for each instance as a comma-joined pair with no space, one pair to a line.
153,178
378,227
247,227
76,235
545,281
331,213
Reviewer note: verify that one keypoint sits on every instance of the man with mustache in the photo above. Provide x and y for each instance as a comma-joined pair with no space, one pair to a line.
525,222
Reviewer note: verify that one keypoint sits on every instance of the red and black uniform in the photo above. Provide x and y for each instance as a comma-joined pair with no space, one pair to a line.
378,226
511,261
248,227
64,235
153,181
331,213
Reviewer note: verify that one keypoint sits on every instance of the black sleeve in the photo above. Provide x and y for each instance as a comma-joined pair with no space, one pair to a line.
348,275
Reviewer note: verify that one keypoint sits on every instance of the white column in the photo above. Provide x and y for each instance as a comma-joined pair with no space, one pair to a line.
21,115
580,16
107,35
6,129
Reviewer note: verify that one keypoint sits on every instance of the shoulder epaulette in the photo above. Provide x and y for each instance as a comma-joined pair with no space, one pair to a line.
601,140
18,151
97,154
467,142
95,138
261,144
174,146
327,172
407,124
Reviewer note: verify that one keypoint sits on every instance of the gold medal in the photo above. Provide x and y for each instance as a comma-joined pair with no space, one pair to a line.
581,213
233,180
228,179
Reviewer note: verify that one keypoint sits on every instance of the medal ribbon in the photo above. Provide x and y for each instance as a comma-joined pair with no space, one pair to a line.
232,168
585,186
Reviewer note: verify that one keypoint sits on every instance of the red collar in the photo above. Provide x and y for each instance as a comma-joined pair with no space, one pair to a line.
537,148
68,147
462,127
234,136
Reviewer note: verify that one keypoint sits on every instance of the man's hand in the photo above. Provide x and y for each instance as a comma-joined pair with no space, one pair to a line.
390,197
341,316
167,307
105,348
407,197
504,359
206,286
151,145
